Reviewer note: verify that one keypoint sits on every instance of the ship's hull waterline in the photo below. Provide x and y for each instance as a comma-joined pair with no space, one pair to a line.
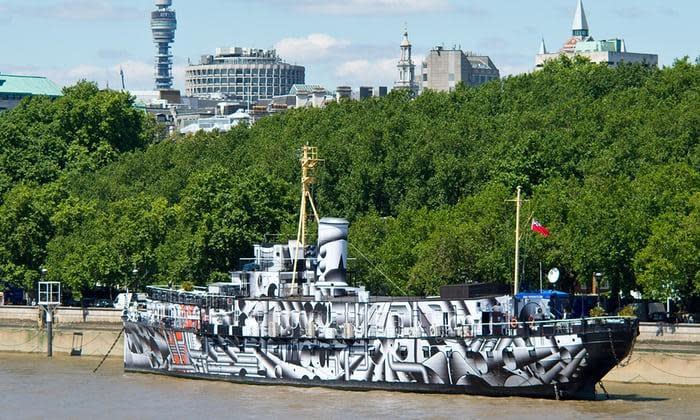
529,365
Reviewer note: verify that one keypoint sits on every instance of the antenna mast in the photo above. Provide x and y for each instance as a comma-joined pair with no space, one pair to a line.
309,161
518,205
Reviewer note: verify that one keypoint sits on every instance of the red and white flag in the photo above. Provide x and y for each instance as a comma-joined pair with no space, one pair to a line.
539,228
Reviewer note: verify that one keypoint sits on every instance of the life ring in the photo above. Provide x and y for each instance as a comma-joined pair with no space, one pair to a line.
514,322
531,321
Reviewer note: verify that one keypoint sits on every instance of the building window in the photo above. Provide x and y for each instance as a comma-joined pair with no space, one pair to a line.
451,77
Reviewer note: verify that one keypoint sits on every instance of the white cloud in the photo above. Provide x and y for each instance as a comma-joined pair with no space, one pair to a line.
75,10
513,70
370,7
368,72
138,74
309,48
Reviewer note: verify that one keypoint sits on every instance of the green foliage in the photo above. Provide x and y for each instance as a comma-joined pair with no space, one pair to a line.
608,157
628,311
598,311
187,286
669,264
25,229
43,142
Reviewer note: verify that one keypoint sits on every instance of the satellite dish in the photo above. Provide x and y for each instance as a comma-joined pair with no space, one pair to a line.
553,275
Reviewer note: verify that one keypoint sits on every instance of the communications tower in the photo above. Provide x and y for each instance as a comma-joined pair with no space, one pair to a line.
163,26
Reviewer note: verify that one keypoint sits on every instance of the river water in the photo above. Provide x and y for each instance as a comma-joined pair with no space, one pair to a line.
33,386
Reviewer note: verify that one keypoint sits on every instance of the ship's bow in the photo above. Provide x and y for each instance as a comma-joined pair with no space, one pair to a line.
608,342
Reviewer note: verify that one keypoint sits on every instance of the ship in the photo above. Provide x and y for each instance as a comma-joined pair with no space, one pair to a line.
290,316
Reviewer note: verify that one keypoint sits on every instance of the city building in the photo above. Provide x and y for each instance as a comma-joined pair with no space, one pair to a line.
242,73
163,26
14,88
218,122
379,91
443,69
407,69
581,43
343,92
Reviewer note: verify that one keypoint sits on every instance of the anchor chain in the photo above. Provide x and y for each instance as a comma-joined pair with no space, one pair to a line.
618,362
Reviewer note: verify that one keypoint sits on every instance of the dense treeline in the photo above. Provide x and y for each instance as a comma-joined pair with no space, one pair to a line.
609,159
42,144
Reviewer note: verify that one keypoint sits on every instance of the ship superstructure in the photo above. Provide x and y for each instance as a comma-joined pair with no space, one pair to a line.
289,316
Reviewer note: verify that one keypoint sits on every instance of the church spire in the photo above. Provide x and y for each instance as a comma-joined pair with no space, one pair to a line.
580,25
543,47
405,42
407,70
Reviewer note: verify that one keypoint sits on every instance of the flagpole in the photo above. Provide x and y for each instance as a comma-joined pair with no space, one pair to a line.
518,203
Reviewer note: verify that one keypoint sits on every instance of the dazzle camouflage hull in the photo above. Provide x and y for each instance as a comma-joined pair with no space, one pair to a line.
395,345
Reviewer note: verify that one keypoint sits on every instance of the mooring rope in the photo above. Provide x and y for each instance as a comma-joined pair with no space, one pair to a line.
376,268
109,351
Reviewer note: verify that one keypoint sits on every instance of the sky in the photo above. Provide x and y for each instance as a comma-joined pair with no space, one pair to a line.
340,42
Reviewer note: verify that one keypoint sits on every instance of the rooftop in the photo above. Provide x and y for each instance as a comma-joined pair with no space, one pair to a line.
480,62
605,45
28,85
306,88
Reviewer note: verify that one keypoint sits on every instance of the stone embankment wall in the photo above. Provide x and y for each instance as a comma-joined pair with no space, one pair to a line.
21,330
63,315
681,333
663,354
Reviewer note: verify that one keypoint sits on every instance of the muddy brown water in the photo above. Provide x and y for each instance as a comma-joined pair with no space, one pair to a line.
33,386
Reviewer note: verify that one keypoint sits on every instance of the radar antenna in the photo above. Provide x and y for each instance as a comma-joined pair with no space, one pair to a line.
309,161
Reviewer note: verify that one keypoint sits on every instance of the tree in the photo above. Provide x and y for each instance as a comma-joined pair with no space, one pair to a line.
669,265
25,229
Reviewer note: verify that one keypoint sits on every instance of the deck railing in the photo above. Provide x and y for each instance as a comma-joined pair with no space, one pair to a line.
201,299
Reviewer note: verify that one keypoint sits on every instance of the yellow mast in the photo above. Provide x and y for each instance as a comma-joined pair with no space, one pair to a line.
309,161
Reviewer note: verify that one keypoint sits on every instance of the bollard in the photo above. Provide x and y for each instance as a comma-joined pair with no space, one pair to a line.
49,332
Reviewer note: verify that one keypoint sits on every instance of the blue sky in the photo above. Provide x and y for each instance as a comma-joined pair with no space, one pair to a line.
339,41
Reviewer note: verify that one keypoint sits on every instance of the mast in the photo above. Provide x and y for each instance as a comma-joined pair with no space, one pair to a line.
309,161
518,205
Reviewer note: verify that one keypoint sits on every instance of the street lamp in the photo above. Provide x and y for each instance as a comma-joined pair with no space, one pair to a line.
596,281
134,276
